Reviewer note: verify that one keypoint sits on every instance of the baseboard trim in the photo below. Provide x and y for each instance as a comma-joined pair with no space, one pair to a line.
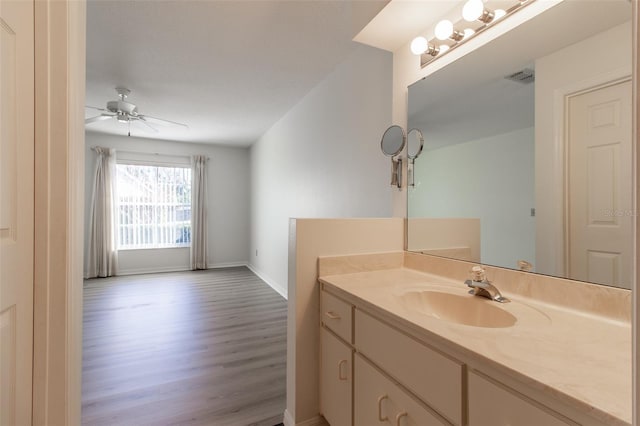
314,421
142,271
288,420
281,290
227,265
159,270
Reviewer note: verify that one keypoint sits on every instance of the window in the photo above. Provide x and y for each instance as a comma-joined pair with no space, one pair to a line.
154,206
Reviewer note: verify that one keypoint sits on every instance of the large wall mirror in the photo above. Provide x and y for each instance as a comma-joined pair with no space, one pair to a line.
527,160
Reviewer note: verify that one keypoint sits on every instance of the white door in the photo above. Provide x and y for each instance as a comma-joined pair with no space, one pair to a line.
600,186
16,210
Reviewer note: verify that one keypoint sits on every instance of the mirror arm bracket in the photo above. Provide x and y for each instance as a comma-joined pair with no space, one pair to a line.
396,173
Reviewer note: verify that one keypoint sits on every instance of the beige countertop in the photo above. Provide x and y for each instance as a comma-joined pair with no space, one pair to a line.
582,360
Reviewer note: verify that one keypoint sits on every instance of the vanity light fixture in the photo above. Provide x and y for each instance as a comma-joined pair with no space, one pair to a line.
444,31
475,19
474,10
420,46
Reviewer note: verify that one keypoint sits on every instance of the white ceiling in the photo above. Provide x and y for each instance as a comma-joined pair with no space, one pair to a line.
228,69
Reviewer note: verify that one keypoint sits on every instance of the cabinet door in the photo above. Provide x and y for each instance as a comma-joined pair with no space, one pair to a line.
379,401
493,404
336,379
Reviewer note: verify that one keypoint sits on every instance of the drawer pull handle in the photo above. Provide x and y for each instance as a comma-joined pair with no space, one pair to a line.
399,416
332,315
380,399
340,376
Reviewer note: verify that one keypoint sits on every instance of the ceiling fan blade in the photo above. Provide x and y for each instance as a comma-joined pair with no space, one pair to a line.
147,126
101,117
161,121
92,107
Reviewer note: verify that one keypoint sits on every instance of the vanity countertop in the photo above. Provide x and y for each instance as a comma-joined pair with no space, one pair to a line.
583,360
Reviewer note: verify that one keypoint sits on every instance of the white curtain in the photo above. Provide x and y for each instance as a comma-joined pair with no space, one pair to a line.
102,259
199,212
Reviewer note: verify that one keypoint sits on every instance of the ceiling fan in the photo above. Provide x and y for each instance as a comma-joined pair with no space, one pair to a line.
126,112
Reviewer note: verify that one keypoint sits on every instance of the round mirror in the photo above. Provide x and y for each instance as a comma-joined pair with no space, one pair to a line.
393,140
415,142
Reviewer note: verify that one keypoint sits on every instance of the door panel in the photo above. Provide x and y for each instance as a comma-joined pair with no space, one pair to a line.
16,210
600,213
8,140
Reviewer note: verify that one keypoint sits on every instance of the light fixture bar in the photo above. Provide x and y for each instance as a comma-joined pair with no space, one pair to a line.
473,11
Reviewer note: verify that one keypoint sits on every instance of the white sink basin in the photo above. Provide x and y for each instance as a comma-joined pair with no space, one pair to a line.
460,309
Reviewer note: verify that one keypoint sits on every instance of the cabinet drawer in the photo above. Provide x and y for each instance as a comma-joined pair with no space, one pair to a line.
336,379
493,404
434,378
379,400
337,315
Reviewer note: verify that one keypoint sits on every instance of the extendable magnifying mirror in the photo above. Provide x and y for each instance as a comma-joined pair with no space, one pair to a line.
415,143
392,144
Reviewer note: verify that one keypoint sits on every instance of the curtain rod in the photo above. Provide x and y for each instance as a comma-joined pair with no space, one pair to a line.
93,148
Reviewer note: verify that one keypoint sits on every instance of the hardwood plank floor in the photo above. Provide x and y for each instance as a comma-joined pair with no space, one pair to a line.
184,348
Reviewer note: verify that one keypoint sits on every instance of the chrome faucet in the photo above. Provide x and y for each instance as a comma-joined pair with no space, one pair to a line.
480,286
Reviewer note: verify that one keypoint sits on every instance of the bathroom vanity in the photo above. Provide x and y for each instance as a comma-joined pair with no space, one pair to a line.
402,346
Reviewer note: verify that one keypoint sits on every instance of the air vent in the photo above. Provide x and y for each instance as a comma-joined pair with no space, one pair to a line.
525,76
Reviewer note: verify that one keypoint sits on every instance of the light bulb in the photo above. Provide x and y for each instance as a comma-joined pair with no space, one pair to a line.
419,45
444,29
499,13
472,10
443,48
468,32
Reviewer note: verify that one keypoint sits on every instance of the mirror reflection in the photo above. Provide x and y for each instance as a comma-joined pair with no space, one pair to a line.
527,154
415,143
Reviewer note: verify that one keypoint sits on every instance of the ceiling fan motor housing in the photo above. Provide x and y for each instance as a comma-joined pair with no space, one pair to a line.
122,107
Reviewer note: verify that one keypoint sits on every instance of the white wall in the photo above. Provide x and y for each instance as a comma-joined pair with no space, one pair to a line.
568,70
491,179
228,203
322,159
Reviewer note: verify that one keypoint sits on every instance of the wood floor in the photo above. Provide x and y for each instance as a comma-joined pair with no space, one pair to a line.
188,348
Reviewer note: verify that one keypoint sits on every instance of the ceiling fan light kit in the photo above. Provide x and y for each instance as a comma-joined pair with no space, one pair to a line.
127,112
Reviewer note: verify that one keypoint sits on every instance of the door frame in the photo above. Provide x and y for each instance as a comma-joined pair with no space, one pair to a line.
60,37
635,322
561,97
618,76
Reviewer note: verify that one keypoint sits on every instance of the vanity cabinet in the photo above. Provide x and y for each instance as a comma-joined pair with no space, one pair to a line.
389,367
373,373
